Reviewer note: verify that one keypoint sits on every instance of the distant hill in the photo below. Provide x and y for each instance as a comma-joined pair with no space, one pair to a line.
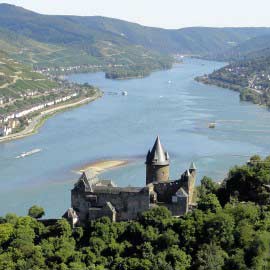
87,32
250,49
121,49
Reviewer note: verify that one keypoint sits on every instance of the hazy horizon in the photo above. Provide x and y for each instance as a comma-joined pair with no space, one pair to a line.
171,14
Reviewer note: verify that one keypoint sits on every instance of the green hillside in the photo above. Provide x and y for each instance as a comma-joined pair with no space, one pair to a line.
249,77
86,32
16,79
120,48
252,48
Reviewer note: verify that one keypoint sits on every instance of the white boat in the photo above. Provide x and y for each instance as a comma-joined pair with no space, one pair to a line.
124,93
169,82
29,153
212,125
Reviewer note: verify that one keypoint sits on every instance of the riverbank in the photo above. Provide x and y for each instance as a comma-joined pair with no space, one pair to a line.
40,119
101,166
246,94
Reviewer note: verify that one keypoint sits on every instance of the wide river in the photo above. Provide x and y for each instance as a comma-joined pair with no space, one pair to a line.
169,103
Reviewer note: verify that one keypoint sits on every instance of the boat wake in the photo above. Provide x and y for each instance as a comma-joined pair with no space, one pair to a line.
29,153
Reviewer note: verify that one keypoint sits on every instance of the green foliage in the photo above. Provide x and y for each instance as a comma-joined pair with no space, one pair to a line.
36,211
207,186
157,217
209,202
248,182
233,237
6,231
210,257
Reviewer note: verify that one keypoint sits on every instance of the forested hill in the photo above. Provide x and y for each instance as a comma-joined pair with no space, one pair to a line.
86,32
121,49
251,49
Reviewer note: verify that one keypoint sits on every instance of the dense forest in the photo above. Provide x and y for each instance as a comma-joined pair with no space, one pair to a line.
229,229
136,71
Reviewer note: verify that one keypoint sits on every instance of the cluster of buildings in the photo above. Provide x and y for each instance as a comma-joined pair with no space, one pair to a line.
11,121
69,69
257,82
92,198
7,127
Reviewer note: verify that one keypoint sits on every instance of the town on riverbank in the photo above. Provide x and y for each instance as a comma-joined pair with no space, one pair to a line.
27,97
24,121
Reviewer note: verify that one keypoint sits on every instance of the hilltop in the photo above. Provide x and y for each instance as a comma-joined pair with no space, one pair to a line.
87,32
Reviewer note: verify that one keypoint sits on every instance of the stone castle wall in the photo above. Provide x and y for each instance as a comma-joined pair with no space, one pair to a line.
165,191
126,204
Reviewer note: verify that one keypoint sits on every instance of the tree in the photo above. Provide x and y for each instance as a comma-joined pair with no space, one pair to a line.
207,186
257,255
210,257
6,231
167,239
62,228
36,211
178,259
219,229
156,217
209,202
248,182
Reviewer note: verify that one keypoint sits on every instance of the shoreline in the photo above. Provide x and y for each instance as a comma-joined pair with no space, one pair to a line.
101,166
43,116
231,87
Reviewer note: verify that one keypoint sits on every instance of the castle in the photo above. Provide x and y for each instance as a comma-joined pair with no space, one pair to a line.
92,198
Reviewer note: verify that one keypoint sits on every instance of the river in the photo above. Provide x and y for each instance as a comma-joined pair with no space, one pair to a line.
167,103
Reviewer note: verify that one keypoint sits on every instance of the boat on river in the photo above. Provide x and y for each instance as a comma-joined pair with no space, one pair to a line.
212,125
124,93
29,153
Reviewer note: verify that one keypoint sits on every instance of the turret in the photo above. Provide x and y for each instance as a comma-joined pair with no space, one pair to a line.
157,164
191,181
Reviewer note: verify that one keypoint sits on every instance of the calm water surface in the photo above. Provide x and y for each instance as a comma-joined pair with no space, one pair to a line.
125,127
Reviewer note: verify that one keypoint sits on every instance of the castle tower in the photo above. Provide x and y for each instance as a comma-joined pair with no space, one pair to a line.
157,164
191,181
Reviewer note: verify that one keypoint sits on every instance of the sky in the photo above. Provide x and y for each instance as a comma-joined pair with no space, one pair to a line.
161,13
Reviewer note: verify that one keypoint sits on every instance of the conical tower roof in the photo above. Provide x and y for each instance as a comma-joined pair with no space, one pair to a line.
192,166
157,156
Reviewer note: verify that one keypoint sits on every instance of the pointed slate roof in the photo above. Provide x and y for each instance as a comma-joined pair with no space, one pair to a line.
192,166
157,156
